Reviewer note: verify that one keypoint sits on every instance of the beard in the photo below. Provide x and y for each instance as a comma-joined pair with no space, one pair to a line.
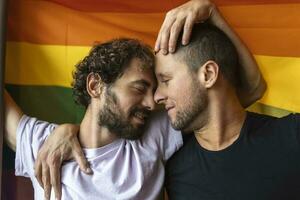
117,122
194,106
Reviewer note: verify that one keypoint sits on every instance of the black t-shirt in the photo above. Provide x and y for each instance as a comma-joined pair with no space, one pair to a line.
262,164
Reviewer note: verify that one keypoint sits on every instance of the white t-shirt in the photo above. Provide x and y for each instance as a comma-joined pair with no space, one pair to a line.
123,169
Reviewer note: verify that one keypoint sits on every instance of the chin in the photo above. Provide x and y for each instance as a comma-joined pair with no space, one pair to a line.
184,127
175,126
172,119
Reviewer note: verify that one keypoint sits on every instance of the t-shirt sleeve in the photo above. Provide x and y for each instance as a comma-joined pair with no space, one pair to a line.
31,134
168,139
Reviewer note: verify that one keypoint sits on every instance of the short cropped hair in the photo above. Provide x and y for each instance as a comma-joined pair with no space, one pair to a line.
208,42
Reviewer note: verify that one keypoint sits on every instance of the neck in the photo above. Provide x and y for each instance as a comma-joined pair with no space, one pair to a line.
92,135
225,120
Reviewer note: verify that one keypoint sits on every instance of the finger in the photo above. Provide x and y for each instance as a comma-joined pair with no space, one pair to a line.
187,29
158,39
80,158
38,171
157,43
174,33
164,41
165,32
46,182
55,179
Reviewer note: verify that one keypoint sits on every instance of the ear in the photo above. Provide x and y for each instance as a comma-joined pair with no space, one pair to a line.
208,73
94,85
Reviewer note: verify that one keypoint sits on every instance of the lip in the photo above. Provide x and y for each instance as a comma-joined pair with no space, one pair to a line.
139,120
169,107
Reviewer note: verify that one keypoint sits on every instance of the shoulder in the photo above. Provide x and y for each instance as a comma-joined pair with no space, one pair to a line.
160,135
260,121
33,124
283,130
159,118
186,154
158,124
33,130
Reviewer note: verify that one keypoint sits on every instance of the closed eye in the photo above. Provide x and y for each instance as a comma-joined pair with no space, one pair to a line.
162,78
166,81
140,86
140,89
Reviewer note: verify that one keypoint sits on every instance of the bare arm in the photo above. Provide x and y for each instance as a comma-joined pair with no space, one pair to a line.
61,145
185,16
12,115
253,84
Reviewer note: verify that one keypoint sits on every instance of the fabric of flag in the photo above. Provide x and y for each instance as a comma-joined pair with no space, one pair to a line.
46,39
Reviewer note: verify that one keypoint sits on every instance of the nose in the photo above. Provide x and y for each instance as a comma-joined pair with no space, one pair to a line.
148,102
158,96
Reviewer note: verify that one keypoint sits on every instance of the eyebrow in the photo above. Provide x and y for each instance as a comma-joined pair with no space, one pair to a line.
142,82
163,75
145,83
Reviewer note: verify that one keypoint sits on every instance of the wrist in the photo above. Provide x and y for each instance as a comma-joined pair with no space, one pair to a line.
72,129
204,3
216,18
206,10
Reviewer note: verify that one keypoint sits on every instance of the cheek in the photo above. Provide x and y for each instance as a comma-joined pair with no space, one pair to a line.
183,98
181,91
127,102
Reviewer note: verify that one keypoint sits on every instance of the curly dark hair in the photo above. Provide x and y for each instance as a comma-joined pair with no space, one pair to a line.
109,60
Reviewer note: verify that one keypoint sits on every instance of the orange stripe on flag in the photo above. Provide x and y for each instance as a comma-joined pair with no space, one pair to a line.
266,29
138,6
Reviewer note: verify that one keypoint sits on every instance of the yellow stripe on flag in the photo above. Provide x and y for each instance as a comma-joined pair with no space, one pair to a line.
51,65
283,78
29,64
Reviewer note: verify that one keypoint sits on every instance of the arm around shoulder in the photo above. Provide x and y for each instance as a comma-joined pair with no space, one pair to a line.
252,84
12,117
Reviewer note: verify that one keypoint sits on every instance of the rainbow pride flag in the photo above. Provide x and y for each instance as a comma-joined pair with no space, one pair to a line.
46,39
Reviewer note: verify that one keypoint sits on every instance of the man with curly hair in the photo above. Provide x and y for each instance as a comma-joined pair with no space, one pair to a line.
116,83
125,62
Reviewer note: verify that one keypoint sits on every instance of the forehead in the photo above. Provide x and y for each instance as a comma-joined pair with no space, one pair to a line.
168,64
137,71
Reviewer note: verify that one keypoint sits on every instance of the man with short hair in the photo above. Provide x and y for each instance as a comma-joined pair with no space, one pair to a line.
232,154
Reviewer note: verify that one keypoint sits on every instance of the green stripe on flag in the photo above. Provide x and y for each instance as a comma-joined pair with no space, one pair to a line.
50,103
268,110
